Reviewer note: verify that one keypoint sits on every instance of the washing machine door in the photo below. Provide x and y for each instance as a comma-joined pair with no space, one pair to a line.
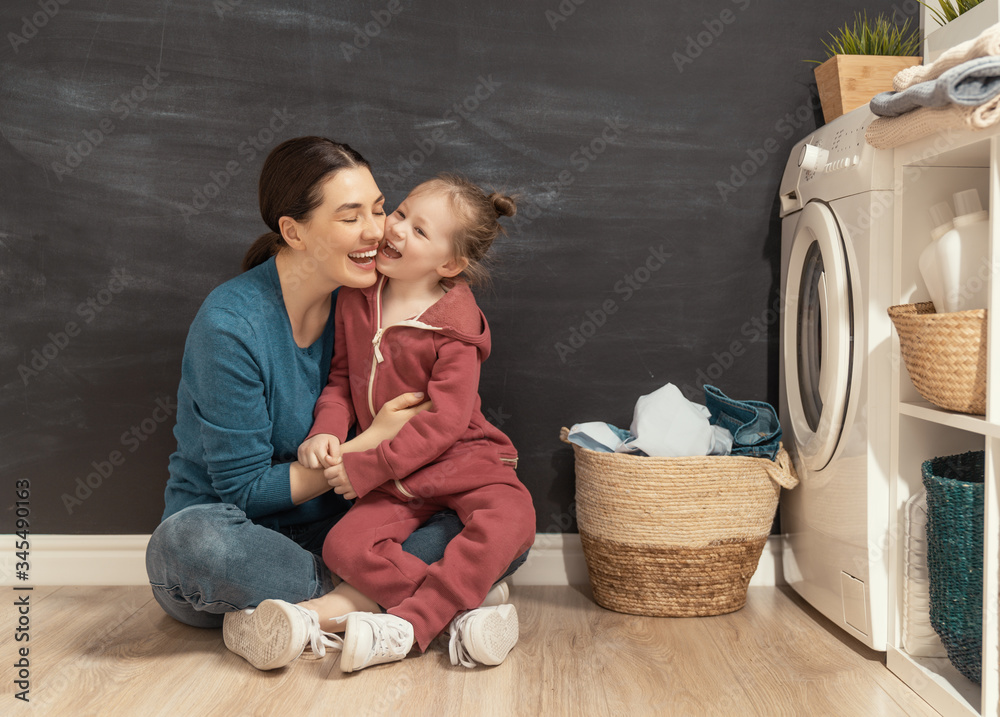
818,335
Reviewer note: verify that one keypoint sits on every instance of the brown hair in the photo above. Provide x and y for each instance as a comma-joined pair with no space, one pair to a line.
291,185
478,215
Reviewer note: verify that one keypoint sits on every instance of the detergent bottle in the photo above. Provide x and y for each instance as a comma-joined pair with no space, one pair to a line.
967,286
932,265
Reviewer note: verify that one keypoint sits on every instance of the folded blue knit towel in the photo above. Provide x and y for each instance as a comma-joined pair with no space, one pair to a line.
972,83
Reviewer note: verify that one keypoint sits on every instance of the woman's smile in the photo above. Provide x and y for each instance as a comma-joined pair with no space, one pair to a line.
364,259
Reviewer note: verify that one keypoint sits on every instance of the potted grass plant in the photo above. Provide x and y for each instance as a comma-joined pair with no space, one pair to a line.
863,59
948,10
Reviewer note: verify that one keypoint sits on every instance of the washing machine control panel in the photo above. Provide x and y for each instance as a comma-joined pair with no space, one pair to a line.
835,161
840,149
814,158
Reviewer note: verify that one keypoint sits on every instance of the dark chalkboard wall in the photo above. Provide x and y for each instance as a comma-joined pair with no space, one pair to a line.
646,140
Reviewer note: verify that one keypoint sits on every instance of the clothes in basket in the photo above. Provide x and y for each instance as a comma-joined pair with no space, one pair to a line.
667,425
754,424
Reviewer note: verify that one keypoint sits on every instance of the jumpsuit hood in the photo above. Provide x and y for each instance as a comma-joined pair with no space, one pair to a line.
455,315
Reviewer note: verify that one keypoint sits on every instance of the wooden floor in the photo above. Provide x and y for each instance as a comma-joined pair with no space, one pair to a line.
112,651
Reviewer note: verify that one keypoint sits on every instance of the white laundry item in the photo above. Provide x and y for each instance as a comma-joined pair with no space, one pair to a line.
667,424
597,436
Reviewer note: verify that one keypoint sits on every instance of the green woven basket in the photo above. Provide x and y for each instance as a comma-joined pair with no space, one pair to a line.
955,499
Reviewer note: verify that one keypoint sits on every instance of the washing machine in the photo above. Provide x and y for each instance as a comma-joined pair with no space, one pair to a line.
835,364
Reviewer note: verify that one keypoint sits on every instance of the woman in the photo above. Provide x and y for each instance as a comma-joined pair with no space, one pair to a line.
245,521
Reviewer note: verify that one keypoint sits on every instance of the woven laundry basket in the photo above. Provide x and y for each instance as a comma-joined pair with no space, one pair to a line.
955,524
945,354
675,537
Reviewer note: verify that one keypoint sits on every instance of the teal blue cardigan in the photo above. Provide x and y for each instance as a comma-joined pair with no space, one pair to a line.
245,403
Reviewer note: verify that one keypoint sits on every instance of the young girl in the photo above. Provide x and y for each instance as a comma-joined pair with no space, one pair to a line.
419,329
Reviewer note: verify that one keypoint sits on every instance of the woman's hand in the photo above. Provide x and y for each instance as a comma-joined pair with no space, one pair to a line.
388,421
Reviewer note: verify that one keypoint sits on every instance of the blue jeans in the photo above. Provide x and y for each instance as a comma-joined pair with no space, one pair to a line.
210,559
754,424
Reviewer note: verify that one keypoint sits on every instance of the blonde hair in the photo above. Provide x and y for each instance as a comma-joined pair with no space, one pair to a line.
478,214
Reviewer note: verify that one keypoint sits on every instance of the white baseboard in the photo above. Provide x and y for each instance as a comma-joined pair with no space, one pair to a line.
555,559
77,560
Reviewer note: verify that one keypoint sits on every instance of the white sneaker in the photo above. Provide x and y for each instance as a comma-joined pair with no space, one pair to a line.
274,633
483,636
374,639
499,594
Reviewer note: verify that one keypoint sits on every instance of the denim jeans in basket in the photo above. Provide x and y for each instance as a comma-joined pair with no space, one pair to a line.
754,424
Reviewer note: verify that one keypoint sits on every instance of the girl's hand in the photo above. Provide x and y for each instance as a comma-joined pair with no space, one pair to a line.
337,478
320,451
393,416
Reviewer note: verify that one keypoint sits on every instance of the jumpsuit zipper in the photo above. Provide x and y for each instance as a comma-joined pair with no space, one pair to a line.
377,357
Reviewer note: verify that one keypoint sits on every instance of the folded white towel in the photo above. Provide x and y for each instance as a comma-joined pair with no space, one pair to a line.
987,43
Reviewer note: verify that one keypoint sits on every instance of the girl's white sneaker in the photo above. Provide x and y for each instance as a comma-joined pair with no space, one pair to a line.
274,634
483,636
374,639
499,594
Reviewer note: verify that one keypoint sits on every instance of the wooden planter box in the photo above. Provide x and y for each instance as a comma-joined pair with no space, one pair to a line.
845,82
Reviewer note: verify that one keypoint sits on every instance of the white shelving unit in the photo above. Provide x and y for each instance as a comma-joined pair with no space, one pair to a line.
938,39
926,172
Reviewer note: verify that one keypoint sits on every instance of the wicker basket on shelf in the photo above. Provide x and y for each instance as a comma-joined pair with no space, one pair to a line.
945,354
678,537
955,521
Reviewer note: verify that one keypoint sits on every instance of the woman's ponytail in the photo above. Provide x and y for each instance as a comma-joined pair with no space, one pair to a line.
266,246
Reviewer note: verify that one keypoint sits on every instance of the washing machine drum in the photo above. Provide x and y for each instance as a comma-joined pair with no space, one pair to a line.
818,335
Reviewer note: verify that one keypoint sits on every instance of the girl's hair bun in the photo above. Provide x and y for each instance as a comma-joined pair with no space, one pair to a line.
505,206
